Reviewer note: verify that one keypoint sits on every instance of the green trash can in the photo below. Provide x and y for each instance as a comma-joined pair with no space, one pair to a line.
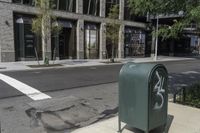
143,96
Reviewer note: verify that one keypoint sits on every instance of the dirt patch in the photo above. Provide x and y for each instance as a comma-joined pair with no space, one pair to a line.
65,114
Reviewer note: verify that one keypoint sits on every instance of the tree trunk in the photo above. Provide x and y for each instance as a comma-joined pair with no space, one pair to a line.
45,41
113,52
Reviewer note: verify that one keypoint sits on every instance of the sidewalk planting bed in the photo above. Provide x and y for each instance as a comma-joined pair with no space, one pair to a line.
190,96
39,66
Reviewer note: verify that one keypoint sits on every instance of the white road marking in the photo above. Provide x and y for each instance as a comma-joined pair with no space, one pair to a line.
190,72
27,90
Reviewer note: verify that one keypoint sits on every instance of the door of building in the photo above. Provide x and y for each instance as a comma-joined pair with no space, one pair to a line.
91,42
28,45
29,41
64,44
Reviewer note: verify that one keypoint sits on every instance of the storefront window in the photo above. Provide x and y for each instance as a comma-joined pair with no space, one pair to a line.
91,41
91,7
134,42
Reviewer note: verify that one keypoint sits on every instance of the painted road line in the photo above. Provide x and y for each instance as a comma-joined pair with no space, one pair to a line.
190,72
25,89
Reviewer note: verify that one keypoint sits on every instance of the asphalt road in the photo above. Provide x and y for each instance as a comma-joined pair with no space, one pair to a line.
181,72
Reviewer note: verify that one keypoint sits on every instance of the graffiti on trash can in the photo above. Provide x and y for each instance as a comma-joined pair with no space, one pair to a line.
159,91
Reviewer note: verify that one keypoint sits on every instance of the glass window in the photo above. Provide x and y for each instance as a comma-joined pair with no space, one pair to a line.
110,4
134,42
91,41
67,5
25,2
28,2
62,4
17,1
71,5
54,4
129,16
91,7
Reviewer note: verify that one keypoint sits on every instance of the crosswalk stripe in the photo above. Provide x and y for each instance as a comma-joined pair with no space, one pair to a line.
25,89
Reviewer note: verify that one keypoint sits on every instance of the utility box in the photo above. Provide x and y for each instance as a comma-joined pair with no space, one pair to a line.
143,96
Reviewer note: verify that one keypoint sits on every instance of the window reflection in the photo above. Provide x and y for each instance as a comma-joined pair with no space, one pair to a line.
91,41
134,42
129,16
64,5
91,7
110,4
25,2
17,1
28,2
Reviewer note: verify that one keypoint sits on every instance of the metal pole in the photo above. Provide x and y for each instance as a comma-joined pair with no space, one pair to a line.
156,45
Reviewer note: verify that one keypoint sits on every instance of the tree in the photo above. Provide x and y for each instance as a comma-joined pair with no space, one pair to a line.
112,29
44,24
189,8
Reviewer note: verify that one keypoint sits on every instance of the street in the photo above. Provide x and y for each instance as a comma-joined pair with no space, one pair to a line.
97,85
69,78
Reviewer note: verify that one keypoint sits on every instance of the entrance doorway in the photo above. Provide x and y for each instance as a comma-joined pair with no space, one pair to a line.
63,44
91,41
27,44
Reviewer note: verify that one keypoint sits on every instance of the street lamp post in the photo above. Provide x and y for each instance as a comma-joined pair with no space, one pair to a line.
156,43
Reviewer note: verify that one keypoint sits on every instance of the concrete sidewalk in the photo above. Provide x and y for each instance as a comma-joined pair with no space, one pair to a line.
24,65
181,119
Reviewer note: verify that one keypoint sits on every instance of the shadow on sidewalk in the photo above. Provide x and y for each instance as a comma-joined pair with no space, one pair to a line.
162,129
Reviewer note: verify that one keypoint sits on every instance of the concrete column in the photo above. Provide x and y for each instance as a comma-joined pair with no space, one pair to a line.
102,48
102,8
80,39
7,49
121,42
79,6
121,10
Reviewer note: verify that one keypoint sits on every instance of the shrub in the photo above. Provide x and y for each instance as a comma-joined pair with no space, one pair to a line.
191,96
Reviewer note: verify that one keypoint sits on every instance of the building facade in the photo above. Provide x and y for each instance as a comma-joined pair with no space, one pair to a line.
83,34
